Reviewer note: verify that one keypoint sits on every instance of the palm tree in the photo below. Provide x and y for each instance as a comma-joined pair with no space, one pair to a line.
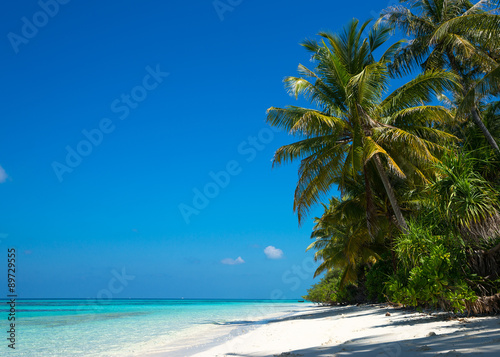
354,131
342,244
341,236
453,34
474,98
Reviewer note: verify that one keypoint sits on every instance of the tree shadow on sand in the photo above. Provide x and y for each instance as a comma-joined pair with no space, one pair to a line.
475,338
322,312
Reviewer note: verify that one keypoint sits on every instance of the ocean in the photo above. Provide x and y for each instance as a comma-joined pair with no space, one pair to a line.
120,328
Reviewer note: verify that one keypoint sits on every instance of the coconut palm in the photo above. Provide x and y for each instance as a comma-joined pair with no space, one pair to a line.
354,131
450,34
341,236
342,244
454,34
474,99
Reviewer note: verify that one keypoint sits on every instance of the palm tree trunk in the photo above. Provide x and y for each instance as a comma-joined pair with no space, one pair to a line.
393,254
390,193
477,120
370,208
475,114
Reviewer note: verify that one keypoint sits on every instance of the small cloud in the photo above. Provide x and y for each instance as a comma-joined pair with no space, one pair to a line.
273,253
3,175
230,261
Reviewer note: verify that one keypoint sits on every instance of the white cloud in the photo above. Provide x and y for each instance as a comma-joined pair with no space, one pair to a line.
3,175
230,261
273,253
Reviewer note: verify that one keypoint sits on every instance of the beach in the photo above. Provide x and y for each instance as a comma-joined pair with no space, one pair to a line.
370,330
221,178
246,328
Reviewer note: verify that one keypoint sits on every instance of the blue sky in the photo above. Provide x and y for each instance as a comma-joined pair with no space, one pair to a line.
117,114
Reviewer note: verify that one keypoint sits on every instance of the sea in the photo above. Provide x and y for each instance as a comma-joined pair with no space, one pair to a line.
131,327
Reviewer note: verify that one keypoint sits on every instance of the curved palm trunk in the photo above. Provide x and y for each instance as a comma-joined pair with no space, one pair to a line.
390,193
477,120
475,114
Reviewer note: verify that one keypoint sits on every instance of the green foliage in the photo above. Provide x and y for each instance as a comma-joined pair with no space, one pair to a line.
465,196
465,199
376,278
341,237
326,291
446,33
395,158
330,292
430,271
355,124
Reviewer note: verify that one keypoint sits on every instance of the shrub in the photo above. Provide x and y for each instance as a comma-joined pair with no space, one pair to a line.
429,272
329,292
376,278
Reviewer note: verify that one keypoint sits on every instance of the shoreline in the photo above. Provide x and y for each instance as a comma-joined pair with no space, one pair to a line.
371,330
203,338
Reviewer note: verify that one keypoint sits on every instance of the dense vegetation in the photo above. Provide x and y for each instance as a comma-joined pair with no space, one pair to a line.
418,219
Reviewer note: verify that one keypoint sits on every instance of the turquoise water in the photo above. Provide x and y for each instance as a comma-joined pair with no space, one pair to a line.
122,327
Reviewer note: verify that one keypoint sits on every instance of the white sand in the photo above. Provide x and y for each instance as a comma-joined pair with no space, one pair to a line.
363,330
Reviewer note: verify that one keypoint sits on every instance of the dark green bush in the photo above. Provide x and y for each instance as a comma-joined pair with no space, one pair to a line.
376,278
429,271
329,292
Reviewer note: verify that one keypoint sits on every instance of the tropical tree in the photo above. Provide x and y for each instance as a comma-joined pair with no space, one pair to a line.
451,34
341,238
354,131
342,245
474,98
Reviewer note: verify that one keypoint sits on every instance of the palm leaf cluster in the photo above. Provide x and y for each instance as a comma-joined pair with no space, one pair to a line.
424,151
353,125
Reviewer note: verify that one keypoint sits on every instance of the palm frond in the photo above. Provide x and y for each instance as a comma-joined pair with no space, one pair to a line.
488,85
419,90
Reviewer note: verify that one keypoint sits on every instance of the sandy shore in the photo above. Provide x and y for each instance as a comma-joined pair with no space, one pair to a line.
375,330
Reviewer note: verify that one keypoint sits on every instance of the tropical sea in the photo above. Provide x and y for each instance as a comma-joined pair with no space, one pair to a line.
132,327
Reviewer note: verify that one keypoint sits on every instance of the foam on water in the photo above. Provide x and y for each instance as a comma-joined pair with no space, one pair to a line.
127,327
